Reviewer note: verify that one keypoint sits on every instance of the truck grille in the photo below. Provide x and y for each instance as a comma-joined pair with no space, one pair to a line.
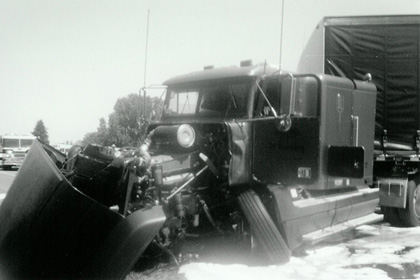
20,155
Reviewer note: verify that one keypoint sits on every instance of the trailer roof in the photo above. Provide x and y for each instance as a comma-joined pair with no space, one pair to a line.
372,20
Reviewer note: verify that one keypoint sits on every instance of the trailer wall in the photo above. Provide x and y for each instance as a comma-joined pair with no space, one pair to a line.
387,47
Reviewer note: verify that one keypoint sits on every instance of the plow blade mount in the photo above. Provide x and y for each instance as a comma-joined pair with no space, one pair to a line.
49,229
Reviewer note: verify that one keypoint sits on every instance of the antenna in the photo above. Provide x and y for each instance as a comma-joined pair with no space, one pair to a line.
147,44
265,65
145,65
281,33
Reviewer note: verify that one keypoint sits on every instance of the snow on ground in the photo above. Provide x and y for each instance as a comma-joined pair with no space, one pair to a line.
373,252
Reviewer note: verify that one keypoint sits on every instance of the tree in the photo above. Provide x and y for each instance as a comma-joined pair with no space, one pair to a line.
103,132
127,125
91,138
100,136
125,121
40,131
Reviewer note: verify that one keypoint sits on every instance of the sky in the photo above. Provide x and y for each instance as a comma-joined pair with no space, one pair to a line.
67,62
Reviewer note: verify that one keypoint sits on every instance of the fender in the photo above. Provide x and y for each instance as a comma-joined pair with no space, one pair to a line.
49,229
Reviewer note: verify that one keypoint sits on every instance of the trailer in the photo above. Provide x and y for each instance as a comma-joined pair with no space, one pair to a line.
385,50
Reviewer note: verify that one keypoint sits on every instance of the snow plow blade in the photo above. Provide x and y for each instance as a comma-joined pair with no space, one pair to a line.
49,229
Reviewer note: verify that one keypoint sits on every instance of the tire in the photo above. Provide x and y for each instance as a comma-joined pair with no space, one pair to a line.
6,167
391,215
410,215
262,226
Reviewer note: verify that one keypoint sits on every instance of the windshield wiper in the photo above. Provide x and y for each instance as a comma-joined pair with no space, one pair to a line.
232,98
187,100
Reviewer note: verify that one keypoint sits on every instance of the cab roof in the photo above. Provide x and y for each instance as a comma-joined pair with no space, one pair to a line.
224,72
14,136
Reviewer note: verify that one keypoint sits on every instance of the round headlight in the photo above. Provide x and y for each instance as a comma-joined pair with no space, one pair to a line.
185,135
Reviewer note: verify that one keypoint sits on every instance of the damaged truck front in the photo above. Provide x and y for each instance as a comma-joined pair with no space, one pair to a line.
272,159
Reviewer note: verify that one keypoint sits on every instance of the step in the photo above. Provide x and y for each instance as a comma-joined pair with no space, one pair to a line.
322,234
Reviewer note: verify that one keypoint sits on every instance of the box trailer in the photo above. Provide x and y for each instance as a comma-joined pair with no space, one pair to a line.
386,51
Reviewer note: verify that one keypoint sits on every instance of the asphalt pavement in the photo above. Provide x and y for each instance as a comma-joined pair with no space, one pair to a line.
6,179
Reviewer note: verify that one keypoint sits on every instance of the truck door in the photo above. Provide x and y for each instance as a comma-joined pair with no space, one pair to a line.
292,156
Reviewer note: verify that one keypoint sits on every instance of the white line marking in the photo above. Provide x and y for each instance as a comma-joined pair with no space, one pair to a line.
2,196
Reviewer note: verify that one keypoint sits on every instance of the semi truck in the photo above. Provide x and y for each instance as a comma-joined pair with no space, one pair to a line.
272,159
387,50
14,149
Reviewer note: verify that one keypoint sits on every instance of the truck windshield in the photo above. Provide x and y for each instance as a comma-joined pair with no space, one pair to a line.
17,142
10,143
227,100
26,143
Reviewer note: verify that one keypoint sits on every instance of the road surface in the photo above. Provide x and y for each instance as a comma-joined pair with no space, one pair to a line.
6,179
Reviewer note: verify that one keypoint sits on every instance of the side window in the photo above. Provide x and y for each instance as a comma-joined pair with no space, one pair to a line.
272,92
297,96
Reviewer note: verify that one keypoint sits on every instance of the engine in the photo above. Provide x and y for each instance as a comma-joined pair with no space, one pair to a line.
182,167
189,166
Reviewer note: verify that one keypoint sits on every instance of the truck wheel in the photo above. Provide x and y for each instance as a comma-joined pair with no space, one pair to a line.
391,215
410,215
266,233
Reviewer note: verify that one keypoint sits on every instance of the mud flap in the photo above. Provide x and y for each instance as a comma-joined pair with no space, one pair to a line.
266,232
51,230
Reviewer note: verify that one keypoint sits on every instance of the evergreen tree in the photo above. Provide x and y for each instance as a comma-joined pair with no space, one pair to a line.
40,131
103,133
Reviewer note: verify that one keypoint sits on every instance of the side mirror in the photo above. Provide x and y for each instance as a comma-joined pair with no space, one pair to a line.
367,77
284,123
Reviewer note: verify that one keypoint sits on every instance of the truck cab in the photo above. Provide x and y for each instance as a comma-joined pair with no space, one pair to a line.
14,149
300,147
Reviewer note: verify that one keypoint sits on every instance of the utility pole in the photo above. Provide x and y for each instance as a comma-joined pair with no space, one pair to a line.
145,66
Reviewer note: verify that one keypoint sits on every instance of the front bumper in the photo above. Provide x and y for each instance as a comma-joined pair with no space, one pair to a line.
14,161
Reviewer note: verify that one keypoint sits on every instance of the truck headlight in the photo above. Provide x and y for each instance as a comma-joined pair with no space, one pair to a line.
185,135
